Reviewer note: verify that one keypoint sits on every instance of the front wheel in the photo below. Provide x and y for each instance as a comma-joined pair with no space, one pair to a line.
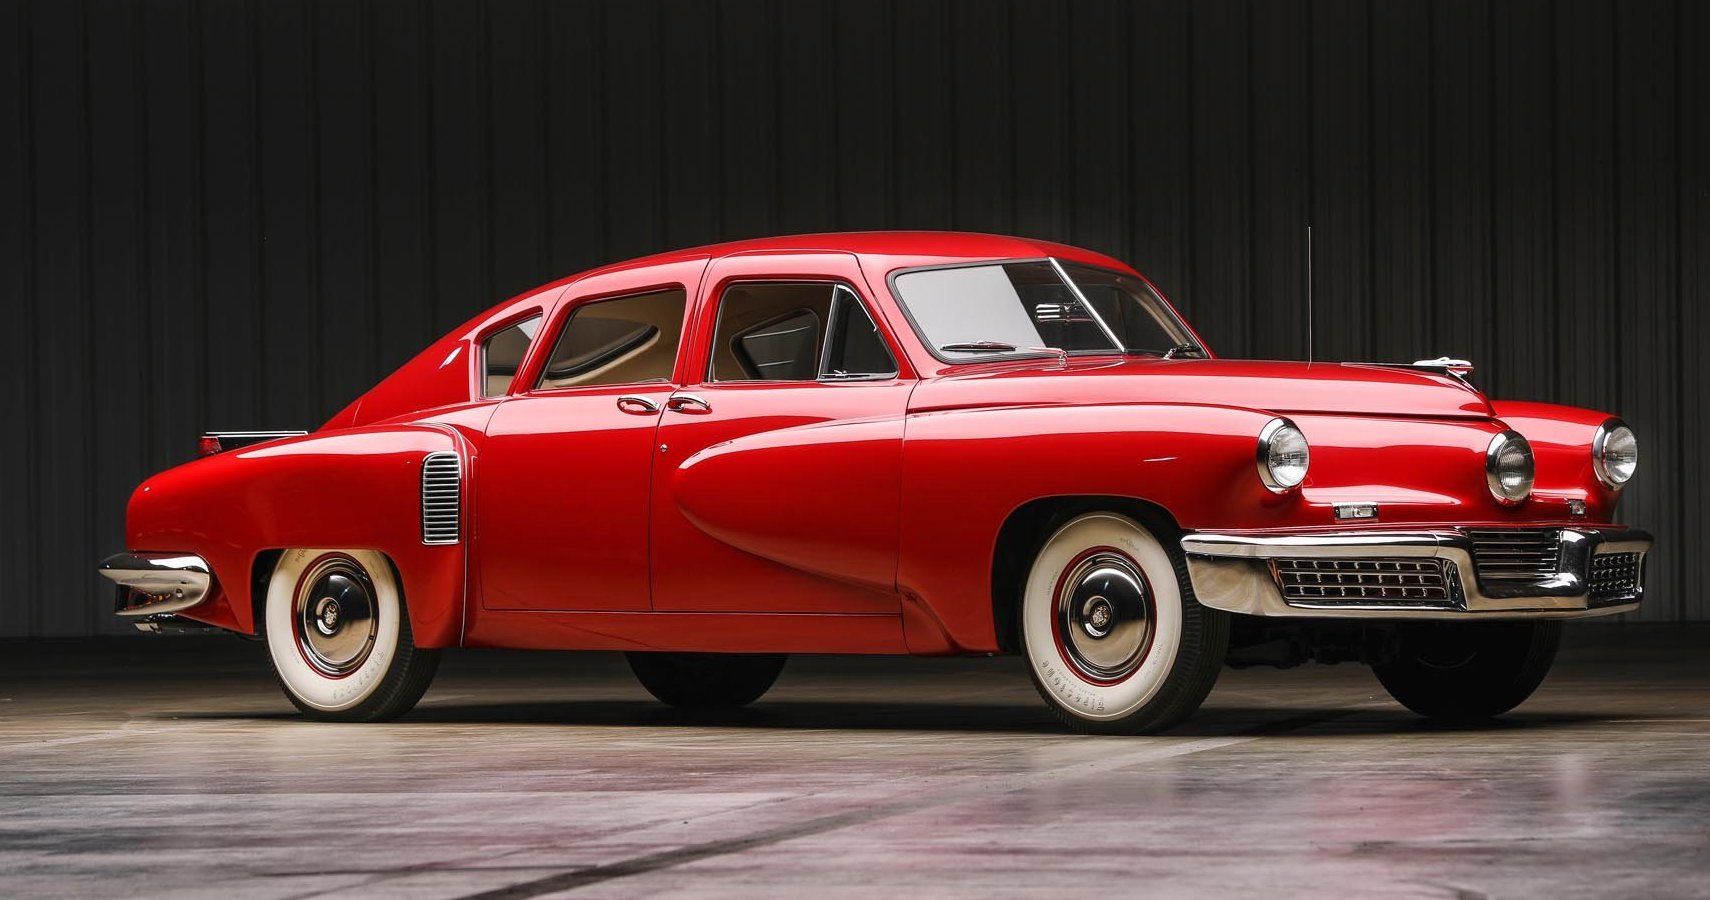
338,636
706,680
1115,641
1465,671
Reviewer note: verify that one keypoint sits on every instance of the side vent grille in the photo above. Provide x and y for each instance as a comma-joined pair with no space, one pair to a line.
442,497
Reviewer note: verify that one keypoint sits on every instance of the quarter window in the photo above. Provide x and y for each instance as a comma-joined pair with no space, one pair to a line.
796,331
502,353
625,340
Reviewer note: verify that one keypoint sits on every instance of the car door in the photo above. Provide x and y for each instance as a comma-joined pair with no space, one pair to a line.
776,485
565,472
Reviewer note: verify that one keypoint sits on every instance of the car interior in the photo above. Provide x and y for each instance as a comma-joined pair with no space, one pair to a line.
796,331
625,340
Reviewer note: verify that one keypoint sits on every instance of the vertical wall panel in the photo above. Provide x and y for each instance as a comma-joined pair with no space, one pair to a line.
1220,227
60,213
1160,183
1340,112
1281,163
1401,233
1693,540
19,490
923,114
1647,218
123,383
241,213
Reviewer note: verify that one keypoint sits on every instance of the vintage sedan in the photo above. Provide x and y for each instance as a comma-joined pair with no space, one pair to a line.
895,443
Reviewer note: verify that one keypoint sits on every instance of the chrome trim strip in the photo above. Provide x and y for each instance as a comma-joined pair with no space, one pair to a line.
156,583
1115,342
1233,572
442,497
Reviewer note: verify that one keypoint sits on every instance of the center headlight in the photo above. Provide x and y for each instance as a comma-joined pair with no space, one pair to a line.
1283,455
1508,467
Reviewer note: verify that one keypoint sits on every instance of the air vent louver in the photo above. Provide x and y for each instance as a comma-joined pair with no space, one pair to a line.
442,496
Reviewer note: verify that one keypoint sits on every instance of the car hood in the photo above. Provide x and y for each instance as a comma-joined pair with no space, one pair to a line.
1282,387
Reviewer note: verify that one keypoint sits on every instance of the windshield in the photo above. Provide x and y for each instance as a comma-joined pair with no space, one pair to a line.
974,312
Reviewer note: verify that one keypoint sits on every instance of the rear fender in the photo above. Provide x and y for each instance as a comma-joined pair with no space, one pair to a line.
357,489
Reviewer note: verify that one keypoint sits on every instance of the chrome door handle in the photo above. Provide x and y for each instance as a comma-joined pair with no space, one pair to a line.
688,403
637,406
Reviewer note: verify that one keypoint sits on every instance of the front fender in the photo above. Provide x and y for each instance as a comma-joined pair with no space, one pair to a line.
965,471
357,489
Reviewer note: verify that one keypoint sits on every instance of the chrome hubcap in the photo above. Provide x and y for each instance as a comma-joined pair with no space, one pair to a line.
336,621
1105,616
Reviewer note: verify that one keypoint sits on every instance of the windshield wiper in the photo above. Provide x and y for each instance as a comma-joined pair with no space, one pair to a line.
1001,347
1181,349
978,347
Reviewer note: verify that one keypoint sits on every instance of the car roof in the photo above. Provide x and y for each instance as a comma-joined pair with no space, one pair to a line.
909,245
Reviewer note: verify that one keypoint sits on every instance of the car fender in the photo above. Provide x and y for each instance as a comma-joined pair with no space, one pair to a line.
966,471
357,489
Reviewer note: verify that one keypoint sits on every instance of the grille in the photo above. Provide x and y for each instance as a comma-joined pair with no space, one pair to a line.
1392,582
1615,577
442,494
1516,554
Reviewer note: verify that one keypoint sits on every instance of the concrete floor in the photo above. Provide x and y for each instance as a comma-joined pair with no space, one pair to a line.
173,767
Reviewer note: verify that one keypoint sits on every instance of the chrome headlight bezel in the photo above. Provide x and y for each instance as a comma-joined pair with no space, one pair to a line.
1493,467
1277,430
1599,454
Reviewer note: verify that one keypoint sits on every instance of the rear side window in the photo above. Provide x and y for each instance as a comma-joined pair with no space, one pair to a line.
625,340
796,331
502,353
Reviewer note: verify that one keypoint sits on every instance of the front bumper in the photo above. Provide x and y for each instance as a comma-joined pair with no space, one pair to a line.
152,584
1428,574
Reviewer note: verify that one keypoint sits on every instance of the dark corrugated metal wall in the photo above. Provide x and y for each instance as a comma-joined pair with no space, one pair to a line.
216,213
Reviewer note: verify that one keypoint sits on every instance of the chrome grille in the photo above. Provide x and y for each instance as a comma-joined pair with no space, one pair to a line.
1389,582
1615,577
442,495
1516,554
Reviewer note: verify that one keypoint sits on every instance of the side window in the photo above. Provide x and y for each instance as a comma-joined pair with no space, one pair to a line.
796,331
625,340
502,353
855,348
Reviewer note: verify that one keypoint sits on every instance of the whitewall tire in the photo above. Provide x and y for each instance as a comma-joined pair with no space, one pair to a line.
1114,639
338,635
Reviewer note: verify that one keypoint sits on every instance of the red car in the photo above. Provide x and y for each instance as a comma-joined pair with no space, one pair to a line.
891,443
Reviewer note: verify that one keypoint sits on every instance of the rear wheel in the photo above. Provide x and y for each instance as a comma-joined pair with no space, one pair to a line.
1115,641
706,680
1466,671
338,635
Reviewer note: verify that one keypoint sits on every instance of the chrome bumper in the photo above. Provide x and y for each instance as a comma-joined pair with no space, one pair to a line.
1240,573
151,584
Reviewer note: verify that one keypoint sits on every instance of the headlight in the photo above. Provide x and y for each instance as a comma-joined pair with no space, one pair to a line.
1614,453
1508,467
1283,455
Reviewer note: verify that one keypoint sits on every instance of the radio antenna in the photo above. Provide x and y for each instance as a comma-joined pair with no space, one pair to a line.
1309,292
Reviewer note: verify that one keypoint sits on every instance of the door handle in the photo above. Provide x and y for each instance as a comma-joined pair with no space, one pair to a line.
637,406
688,403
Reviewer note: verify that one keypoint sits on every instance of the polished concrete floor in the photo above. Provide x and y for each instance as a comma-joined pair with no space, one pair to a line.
172,767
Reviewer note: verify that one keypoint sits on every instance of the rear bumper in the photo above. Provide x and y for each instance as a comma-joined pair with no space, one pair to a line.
152,584
1428,574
